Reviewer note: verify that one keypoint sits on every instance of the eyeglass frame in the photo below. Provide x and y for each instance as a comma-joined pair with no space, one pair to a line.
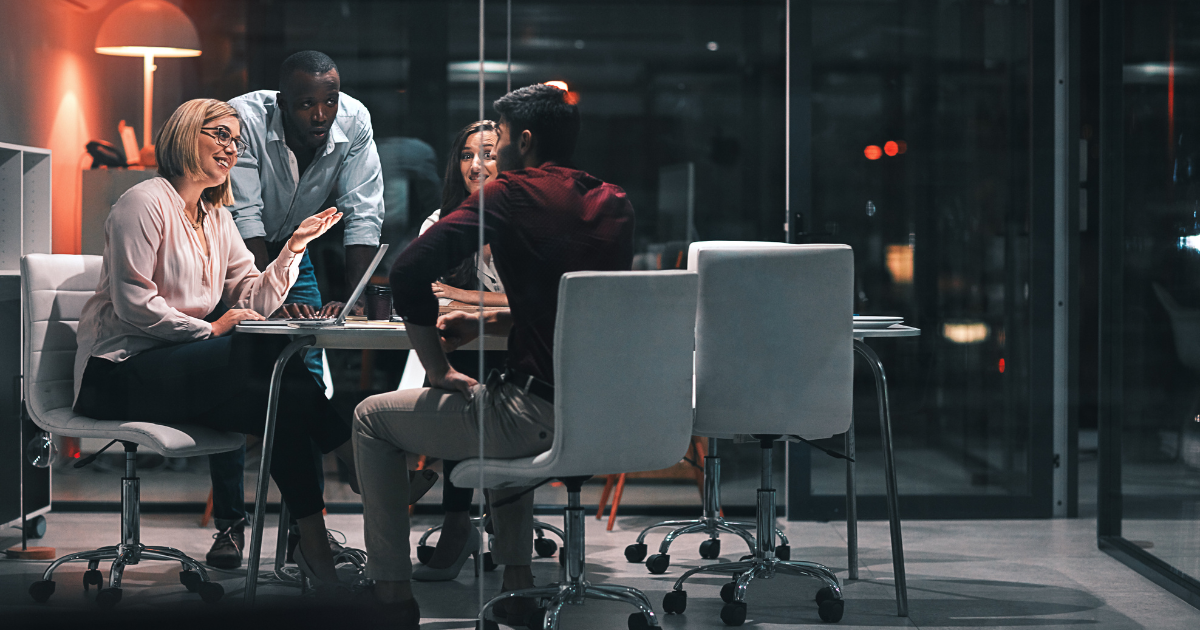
240,145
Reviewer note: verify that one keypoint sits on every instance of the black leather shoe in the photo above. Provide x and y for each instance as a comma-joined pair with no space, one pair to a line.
515,612
228,543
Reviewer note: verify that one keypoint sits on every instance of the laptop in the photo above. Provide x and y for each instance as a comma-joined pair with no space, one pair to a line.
328,322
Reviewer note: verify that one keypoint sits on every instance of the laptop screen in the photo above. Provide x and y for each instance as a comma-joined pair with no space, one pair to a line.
362,284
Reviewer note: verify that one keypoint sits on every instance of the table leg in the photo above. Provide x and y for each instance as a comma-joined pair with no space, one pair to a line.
889,467
851,506
264,466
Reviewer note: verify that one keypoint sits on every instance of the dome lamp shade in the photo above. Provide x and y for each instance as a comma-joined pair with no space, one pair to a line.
148,27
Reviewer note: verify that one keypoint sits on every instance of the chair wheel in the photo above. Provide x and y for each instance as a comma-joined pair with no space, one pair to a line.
658,563
92,577
675,602
635,552
783,552
488,563
108,597
710,549
734,613
637,621
211,592
825,594
424,553
831,610
41,590
189,578
545,547
727,591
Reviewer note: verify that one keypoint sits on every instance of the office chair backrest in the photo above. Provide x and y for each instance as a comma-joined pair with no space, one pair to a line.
55,289
774,338
623,371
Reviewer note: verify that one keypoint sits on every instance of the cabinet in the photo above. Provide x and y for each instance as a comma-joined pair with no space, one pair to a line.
24,229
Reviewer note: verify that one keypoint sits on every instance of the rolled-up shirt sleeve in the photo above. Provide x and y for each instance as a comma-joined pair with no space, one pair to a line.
247,205
360,189
262,291
134,238
444,245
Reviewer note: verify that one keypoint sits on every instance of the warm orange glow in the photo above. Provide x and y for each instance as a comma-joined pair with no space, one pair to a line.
966,332
891,148
873,152
68,132
902,147
572,98
562,85
900,263
142,51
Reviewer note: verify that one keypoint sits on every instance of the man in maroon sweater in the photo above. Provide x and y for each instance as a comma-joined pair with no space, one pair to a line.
542,219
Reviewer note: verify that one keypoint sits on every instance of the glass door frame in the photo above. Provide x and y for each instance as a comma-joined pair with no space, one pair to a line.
1110,500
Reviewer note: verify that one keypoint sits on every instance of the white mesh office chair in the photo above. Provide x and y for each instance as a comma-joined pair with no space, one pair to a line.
623,389
774,358
55,290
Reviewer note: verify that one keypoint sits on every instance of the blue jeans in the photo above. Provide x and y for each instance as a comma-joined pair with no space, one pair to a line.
227,469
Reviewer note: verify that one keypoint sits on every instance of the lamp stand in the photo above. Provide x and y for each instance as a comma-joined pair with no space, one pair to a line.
148,68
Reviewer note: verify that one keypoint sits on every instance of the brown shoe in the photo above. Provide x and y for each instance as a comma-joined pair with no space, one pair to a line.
228,543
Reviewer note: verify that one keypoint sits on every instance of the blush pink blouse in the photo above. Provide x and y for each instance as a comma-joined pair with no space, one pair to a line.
156,284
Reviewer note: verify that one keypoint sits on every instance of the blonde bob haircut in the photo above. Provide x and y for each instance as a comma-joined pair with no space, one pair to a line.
176,147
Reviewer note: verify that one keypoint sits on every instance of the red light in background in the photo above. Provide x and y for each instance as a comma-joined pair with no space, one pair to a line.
1001,366
873,152
76,454
902,147
891,148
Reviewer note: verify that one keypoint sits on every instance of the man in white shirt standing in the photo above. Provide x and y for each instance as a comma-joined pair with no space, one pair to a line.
306,144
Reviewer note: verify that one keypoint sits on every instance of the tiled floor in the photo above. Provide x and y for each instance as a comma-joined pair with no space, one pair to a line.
961,574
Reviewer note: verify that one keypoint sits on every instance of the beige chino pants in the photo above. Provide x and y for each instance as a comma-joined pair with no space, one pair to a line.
443,424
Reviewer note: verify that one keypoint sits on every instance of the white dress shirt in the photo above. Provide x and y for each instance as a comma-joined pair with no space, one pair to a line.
271,198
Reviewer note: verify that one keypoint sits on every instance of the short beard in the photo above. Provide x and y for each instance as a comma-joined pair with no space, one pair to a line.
508,158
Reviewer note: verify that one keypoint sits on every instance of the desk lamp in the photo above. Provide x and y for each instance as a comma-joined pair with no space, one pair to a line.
148,29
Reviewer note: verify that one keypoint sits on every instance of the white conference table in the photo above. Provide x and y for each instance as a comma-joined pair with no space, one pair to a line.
354,335
889,463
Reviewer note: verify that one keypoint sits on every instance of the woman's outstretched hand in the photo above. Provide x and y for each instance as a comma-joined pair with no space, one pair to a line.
311,228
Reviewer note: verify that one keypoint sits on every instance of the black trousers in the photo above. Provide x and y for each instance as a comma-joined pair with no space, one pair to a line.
223,383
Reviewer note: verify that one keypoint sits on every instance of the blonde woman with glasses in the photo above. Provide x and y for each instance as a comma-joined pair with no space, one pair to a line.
151,346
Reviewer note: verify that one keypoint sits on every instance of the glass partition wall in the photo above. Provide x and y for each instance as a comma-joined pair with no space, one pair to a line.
1149,509
921,121
908,135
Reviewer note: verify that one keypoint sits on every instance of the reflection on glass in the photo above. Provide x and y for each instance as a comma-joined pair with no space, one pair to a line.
1160,471
920,113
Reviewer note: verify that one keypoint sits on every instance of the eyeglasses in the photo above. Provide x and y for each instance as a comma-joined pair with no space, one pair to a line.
223,138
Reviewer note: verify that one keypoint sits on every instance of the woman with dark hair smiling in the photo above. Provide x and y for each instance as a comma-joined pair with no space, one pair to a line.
173,256
470,166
